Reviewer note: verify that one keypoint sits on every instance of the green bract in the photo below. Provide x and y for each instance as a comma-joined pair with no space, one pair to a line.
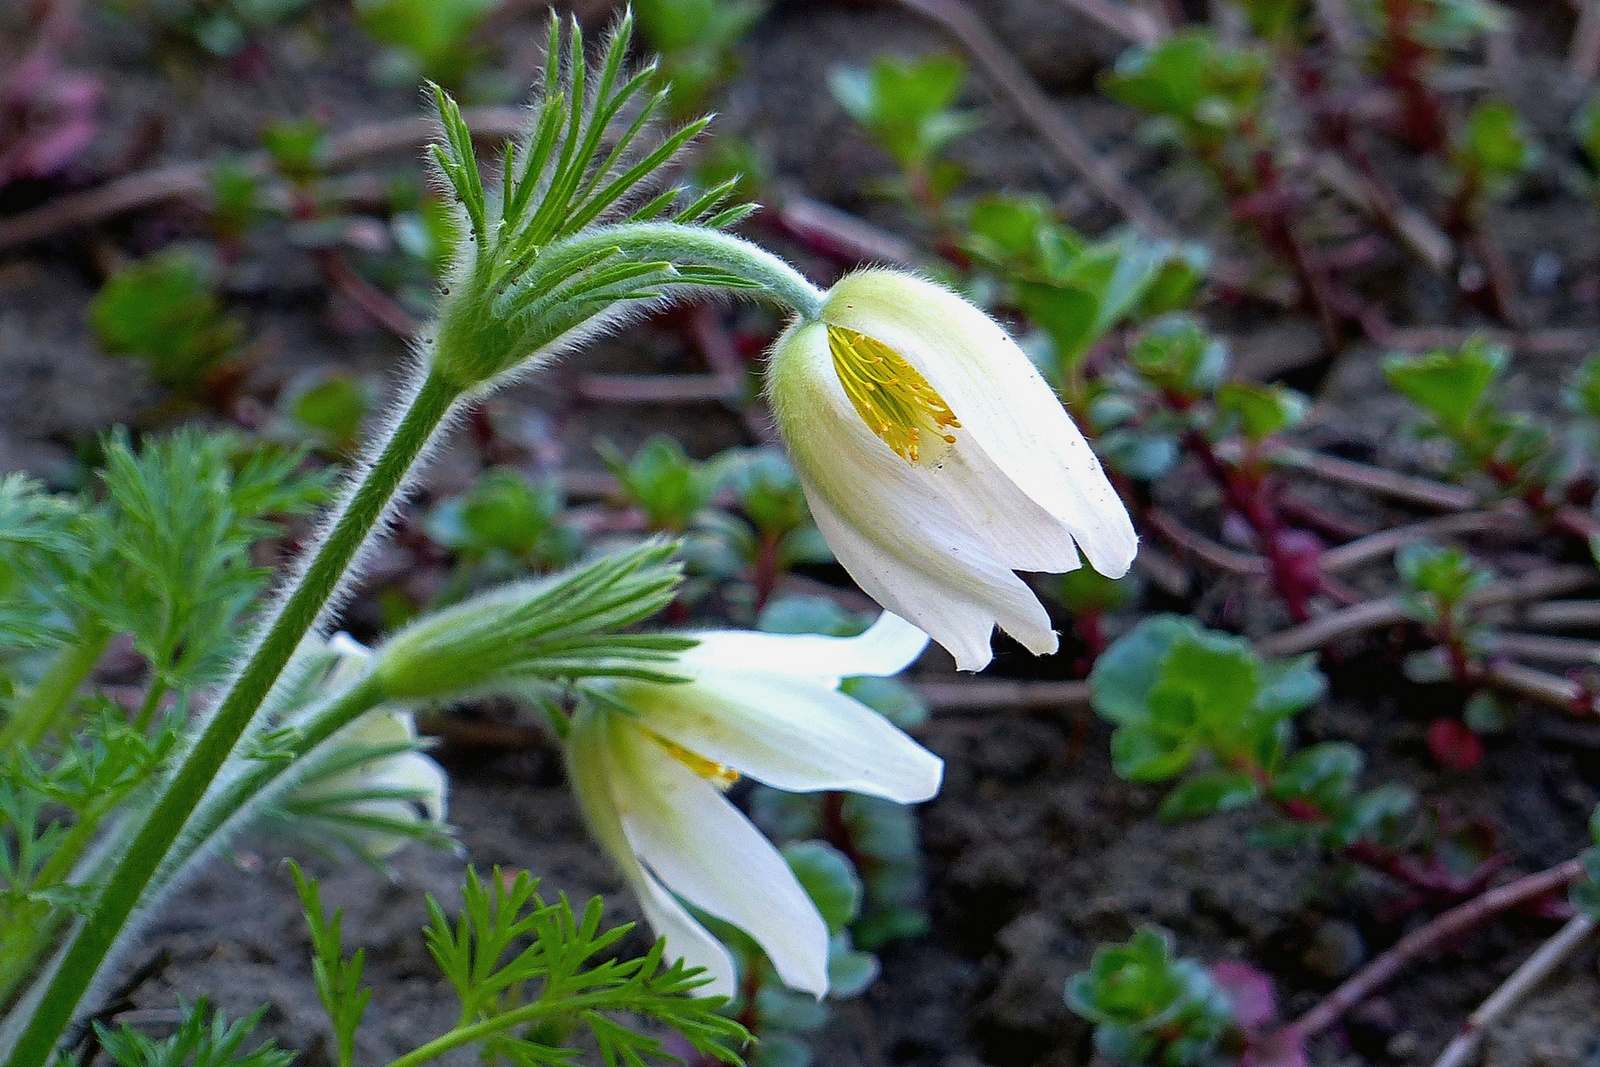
564,626
579,233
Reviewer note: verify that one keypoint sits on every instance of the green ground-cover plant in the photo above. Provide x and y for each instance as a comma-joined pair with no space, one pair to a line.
1075,290
223,28
525,272
165,311
1173,398
1151,1007
1459,390
909,108
427,39
695,40
1203,709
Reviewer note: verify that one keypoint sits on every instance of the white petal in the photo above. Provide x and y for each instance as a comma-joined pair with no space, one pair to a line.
353,657
687,940
789,733
1005,407
703,848
409,771
348,647
957,595
888,646
592,772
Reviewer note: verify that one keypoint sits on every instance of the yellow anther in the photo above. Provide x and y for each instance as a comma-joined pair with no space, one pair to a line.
892,397
718,774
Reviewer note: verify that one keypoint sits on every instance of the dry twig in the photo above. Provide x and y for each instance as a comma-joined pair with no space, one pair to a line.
983,694
1553,691
190,181
1545,649
1389,611
1522,982
1563,614
1583,60
656,388
844,235
1386,542
1404,487
1429,939
1201,547
1129,23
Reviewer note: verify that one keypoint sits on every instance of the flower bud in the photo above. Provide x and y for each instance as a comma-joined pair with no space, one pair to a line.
373,787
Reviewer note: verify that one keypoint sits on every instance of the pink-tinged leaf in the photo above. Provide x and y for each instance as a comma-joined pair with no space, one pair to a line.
52,150
1453,744
76,93
1281,1048
1251,990
1302,551
48,116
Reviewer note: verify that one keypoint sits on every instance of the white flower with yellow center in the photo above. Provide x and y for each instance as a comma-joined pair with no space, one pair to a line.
650,762
937,462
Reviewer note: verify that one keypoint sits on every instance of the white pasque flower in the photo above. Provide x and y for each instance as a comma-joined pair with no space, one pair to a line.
937,462
649,762
379,797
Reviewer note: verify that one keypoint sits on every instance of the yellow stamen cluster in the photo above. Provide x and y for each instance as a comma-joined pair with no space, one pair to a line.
892,397
718,774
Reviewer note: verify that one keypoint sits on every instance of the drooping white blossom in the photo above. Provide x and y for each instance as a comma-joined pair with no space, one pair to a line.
650,762
937,462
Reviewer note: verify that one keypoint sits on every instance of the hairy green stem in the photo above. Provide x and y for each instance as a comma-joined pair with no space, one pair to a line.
679,243
34,717
298,613
219,810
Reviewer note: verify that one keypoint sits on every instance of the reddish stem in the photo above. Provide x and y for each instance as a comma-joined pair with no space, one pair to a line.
1261,197
1432,881
1243,492
836,830
1421,115
767,569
